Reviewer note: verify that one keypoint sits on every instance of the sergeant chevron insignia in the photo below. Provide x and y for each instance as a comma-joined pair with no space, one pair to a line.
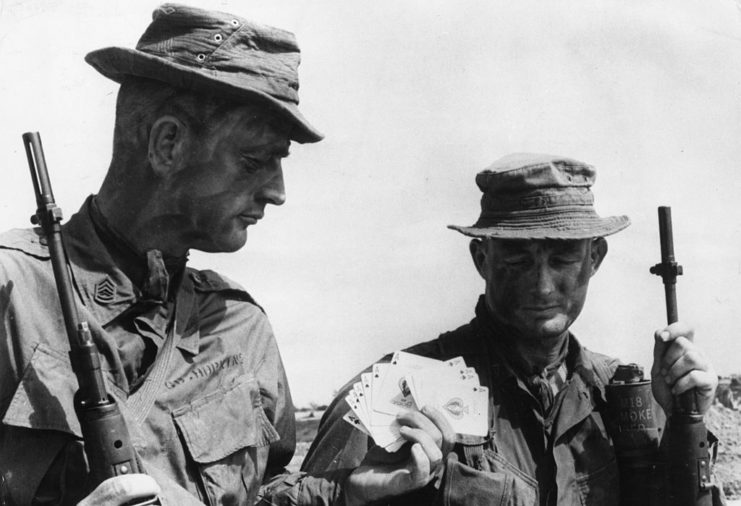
105,291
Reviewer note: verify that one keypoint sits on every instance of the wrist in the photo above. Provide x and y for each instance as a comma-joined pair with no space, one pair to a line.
351,495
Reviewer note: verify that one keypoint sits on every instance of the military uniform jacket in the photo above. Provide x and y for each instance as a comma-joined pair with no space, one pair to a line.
527,460
212,420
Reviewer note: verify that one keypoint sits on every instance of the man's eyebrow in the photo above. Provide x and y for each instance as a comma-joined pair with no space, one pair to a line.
514,246
281,151
565,246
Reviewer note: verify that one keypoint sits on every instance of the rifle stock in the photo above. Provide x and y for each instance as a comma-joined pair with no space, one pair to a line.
684,445
105,435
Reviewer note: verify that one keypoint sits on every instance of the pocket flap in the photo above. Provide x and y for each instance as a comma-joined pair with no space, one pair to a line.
44,397
219,424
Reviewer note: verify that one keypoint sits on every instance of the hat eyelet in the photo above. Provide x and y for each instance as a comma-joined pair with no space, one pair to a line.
218,37
235,22
201,57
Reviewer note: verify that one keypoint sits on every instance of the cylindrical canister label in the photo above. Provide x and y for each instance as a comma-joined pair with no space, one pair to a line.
633,416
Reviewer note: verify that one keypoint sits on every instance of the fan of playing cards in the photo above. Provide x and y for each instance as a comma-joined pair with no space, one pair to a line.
410,382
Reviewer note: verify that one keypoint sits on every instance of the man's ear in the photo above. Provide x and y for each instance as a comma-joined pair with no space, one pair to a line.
477,247
166,145
597,253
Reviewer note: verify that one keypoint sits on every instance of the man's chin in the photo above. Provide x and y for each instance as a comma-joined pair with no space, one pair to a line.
228,245
551,329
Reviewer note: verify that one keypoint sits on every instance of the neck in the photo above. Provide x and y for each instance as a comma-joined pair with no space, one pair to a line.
149,269
535,353
540,352
136,210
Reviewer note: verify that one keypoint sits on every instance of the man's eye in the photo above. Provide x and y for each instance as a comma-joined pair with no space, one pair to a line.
251,164
565,260
516,261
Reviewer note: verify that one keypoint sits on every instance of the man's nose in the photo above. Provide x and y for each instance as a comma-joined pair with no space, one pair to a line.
545,282
274,190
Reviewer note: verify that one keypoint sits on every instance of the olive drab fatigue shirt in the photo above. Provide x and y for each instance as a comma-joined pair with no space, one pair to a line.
213,418
527,460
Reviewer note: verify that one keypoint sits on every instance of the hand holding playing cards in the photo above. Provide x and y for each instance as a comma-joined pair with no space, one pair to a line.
409,382
383,474
417,400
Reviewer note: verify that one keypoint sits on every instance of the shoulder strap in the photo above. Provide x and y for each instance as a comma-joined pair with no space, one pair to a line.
26,240
604,367
210,281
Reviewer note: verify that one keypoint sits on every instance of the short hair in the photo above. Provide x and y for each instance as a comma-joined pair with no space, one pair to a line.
142,101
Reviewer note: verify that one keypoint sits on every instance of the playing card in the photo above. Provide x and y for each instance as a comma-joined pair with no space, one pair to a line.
394,395
424,381
362,402
387,434
354,403
366,382
377,375
410,382
465,406
353,420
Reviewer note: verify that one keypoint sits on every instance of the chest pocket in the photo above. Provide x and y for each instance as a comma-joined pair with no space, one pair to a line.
227,434
491,480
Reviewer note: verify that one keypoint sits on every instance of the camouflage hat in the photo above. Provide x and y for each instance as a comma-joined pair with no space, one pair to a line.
534,196
215,52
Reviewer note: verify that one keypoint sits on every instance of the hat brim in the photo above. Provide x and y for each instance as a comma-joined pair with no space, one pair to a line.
546,227
118,62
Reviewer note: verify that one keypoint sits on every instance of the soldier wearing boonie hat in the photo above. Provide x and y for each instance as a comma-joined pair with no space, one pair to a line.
536,244
531,196
207,108
215,53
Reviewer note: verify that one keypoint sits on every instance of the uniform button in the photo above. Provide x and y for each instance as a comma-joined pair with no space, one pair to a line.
218,37
201,57
235,22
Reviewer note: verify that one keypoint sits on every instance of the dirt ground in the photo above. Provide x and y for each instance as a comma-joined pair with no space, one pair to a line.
725,423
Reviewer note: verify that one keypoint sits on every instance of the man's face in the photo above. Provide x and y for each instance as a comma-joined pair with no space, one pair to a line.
228,178
537,287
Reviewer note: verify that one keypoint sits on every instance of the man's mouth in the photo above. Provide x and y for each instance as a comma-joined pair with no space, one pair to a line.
541,308
250,219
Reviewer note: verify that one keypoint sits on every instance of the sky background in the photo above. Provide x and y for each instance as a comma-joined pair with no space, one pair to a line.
416,97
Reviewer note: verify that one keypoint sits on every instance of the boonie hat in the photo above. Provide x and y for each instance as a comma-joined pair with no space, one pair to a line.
218,53
535,196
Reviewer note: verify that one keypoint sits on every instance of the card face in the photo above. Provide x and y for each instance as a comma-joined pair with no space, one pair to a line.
378,374
353,420
394,394
466,407
410,382
360,395
366,383
352,400
421,383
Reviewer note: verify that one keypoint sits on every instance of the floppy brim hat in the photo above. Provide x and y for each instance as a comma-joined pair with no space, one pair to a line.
217,53
534,196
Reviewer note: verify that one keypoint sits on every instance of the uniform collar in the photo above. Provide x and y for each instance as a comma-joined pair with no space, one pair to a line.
103,287
106,291
583,392
579,362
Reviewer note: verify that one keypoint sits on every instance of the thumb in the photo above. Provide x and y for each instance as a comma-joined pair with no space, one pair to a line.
662,340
